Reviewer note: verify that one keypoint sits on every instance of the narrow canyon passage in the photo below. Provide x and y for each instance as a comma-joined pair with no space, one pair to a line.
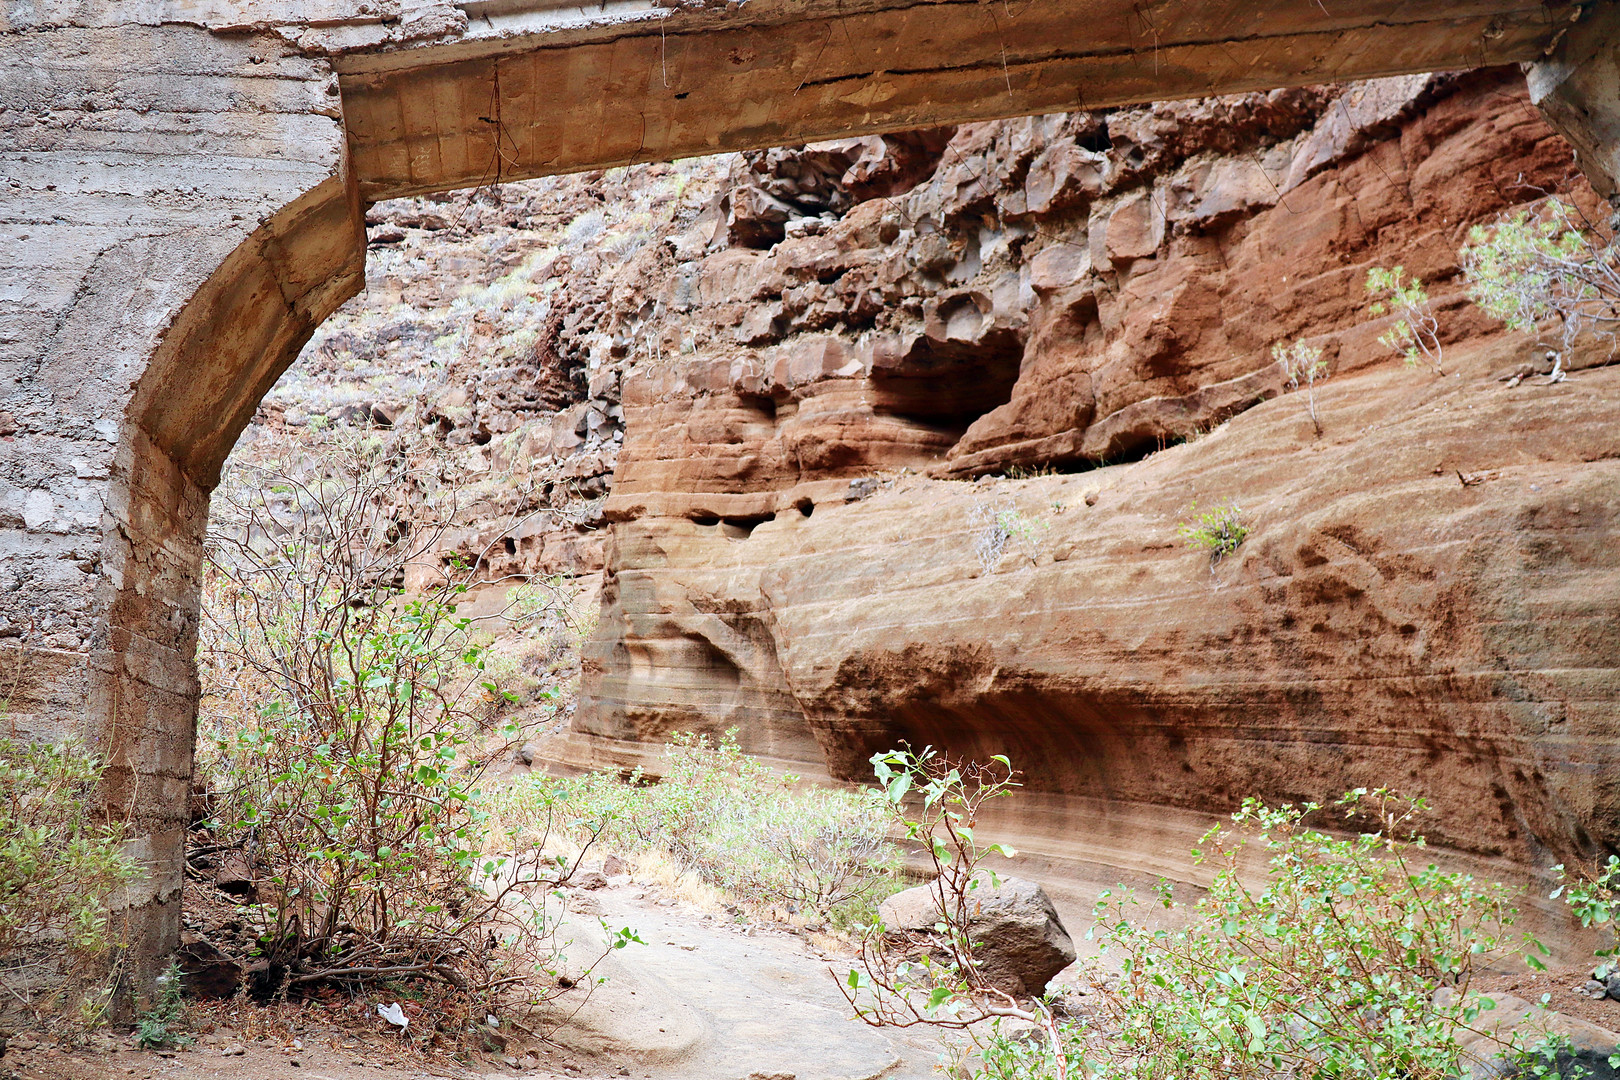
887,440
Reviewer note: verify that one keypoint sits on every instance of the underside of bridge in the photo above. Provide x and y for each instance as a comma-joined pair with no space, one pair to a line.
184,200
531,94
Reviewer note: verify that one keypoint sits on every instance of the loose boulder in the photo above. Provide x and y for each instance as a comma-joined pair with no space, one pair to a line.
1583,1049
1019,941
206,971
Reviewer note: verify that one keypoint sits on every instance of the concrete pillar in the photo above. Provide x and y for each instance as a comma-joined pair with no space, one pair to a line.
1577,87
175,218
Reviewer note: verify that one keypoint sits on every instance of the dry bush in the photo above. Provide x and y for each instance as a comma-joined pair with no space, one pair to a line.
340,717
1302,365
936,981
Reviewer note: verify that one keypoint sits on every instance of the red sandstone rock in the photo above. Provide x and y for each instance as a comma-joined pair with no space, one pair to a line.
1385,624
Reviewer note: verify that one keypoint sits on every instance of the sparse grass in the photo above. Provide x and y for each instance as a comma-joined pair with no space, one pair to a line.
658,868
996,528
726,829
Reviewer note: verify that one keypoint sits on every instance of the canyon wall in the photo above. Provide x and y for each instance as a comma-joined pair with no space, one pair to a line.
887,440
185,198
913,421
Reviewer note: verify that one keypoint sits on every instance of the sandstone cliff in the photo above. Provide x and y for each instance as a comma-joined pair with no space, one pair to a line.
800,549
887,439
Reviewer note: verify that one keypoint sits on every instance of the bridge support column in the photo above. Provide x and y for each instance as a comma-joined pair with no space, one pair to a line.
175,219
1577,87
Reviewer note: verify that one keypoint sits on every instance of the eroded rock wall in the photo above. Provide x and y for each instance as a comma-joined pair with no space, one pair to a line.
800,548
477,351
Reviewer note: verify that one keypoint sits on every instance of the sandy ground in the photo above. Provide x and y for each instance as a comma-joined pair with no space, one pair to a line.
706,1002
702,1000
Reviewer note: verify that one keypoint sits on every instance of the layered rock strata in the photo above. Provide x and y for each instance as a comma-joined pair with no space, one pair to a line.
1425,599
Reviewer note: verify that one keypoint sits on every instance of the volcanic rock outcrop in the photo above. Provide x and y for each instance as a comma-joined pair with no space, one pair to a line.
476,350
912,471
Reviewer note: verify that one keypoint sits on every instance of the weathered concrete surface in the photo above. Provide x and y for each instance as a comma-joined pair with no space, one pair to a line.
669,81
183,185
161,185
1578,87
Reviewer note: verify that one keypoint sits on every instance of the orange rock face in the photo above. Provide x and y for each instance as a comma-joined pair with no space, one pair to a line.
1426,599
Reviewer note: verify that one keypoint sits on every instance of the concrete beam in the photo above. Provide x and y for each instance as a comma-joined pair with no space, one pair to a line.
555,98
1578,88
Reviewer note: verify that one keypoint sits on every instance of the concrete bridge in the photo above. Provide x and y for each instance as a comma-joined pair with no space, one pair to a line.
182,194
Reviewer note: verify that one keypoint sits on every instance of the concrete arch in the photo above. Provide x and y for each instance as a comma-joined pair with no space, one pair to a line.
229,344
185,205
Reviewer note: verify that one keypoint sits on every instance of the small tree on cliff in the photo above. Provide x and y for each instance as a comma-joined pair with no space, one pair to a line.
1302,365
1415,333
1219,531
1543,266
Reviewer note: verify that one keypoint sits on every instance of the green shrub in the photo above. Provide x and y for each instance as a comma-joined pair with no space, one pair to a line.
1594,898
161,1026
342,713
814,850
1546,264
60,861
1348,956
350,780
1415,334
1218,530
1333,965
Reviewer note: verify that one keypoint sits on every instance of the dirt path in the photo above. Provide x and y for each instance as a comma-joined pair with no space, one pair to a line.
702,1000
707,1002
